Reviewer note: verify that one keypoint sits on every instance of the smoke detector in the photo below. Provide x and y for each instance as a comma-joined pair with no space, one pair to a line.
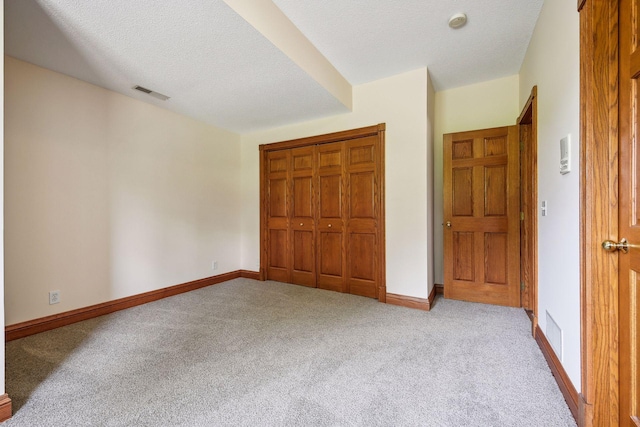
457,21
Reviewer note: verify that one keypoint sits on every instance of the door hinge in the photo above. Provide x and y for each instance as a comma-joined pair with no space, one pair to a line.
522,286
521,216
521,145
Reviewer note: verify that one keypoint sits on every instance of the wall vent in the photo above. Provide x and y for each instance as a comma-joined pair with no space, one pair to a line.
554,336
151,93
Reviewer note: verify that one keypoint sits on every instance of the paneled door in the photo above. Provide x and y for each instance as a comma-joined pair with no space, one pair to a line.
363,213
629,215
277,213
482,216
331,195
302,238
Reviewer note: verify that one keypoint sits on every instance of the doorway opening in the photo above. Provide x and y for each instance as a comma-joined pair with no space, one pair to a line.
528,126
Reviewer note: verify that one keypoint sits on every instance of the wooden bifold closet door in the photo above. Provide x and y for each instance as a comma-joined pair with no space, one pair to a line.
322,212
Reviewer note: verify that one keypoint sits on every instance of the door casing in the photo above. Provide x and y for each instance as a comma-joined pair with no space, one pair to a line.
528,122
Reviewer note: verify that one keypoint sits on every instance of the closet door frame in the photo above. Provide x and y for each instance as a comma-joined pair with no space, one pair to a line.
376,130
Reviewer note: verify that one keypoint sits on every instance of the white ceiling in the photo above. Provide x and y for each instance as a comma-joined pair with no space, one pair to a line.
218,68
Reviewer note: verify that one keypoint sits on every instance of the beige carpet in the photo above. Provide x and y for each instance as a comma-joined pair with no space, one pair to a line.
248,353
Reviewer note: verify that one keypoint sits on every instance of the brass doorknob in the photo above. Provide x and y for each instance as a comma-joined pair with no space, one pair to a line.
301,224
611,246
448,224
329,225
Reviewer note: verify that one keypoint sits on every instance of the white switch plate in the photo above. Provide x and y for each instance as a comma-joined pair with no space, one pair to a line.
543,207
565,155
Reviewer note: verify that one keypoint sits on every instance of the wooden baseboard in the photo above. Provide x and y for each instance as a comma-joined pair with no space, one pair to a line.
30,327
566,386
412,302
5,408
255,275
439,289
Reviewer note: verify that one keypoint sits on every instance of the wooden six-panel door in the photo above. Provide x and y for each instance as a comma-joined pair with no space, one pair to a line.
277,215
322,207
629,215
362,222
302,230
332,255
482,214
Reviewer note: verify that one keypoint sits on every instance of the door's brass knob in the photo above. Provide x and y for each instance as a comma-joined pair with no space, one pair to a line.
448,224
611,246
329,225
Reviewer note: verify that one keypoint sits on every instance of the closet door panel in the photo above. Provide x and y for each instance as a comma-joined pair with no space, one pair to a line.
302,229
277,187
363,212
330,223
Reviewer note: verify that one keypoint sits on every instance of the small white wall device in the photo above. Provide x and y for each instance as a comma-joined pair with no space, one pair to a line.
565,155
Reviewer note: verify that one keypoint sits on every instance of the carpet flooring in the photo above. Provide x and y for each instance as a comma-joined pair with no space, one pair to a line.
249,353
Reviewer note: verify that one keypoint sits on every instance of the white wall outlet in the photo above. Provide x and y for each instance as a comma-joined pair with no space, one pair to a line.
214,265
543,207
54,297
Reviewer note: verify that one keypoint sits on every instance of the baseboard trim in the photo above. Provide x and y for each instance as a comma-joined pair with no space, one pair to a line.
255,275
31,327
439,287
412,302
5,408
566,386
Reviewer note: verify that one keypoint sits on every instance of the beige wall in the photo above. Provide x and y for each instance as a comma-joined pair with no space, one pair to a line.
400,102
107,196
478,106
555,67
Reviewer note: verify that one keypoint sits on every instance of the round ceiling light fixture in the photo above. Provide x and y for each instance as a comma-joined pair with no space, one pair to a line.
457,21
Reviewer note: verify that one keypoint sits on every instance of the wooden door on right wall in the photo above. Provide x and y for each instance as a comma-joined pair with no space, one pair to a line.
629,214
482,216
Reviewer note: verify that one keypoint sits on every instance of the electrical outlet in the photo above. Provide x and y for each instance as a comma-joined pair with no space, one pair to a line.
54,297
214,265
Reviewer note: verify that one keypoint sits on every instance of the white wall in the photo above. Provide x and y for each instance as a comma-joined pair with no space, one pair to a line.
107,196
553,63
400,102
478,106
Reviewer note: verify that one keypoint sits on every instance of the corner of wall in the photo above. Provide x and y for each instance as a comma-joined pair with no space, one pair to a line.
431,102
2,369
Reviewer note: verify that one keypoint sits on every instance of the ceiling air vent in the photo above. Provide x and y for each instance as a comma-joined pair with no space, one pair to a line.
151,92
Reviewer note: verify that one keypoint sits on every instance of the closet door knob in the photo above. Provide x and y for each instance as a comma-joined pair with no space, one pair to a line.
329,225
301,224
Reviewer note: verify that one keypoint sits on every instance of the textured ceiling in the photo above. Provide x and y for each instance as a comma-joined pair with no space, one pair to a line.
371,39
210,61
218,68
